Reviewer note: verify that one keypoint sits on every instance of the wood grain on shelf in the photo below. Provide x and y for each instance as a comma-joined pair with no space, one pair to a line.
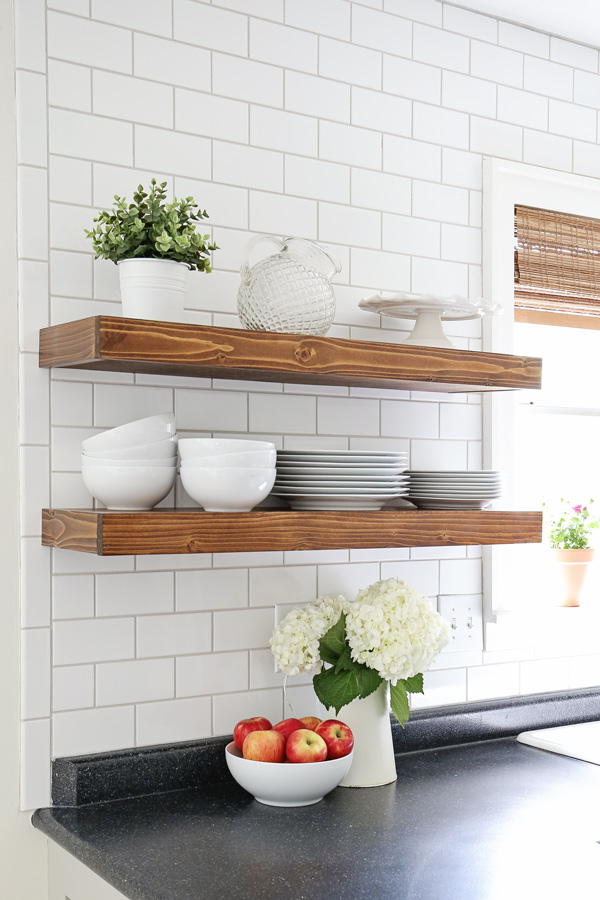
109,533
75,531
170,348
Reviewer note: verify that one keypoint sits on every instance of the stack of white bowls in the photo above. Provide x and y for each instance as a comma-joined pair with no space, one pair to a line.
227,475
132,466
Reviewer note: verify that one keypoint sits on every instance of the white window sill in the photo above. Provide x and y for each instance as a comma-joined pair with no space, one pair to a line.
547,630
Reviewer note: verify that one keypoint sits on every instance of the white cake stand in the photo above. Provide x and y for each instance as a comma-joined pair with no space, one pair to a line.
429,311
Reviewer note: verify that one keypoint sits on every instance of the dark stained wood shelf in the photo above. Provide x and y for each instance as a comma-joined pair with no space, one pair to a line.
112,533
169,348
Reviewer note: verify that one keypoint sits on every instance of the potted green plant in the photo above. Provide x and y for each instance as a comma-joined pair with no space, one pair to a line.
155,244
569,531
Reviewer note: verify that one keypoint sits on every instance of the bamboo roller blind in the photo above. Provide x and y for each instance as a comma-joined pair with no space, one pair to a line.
557,262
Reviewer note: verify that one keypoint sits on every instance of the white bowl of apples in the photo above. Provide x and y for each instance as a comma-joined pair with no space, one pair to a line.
293,763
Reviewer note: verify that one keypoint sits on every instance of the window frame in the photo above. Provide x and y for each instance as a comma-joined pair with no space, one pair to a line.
505,184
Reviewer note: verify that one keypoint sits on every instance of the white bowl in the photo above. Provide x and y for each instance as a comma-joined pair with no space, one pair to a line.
286,784
252,459
192,448
142,431
129,487
170,461
156,450
227,490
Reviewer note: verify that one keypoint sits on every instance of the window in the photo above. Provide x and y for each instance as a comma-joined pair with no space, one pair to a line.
557,268
557,286
549,440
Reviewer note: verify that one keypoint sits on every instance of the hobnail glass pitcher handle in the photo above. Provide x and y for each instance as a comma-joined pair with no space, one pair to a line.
320,255
257,239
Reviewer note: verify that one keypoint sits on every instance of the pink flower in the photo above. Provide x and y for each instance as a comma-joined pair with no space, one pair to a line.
577,509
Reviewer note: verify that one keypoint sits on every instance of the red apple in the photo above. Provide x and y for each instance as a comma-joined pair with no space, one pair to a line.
311,722
337,736
286,726
305,746
243,728
264,746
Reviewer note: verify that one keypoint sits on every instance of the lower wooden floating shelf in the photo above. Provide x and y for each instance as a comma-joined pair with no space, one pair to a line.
112,533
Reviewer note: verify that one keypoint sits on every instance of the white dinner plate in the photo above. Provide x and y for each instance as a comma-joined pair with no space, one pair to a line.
341,476
350,474
355,458
440,496
422,503
461,473
414,497
362,484
396,461
340,492
457,485
344,453
454,488
340,469
335,503
455,479
445,480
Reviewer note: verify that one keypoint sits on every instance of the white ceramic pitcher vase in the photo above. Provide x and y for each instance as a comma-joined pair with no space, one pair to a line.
373,762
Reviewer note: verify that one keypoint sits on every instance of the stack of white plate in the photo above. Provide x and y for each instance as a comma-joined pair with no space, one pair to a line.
454,489
340,479
132,466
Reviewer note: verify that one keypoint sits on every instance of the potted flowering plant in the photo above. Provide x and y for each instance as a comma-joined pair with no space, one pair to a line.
155,243
365,655
569,532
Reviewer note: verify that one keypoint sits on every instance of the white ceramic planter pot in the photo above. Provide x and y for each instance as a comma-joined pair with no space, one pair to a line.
153,289
373,761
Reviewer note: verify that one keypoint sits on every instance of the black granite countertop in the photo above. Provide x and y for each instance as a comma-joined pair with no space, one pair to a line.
489,820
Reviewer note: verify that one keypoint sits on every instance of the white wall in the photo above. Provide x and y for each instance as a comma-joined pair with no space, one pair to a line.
22,850
361,124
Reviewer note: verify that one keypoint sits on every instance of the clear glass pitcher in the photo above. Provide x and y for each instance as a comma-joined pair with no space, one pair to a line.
289,291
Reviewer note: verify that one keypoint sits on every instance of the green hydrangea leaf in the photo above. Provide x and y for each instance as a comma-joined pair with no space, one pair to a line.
337,689
345,661
333,642
399,702
414,684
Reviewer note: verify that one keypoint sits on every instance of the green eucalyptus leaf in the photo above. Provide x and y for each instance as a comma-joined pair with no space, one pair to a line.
151,227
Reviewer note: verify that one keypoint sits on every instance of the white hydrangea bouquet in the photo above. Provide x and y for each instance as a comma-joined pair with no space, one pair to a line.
390,632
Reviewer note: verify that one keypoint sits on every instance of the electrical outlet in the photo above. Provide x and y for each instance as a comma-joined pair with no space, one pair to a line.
282,609
464,614
280,612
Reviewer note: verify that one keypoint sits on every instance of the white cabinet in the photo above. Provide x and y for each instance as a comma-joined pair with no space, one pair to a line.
69,879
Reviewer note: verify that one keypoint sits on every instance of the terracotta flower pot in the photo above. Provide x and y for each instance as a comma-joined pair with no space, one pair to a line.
573,566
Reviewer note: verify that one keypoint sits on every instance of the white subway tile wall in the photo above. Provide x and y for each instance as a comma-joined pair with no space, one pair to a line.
359,124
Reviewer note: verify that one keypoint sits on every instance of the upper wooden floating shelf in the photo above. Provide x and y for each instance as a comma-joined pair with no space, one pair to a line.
169,348
109,533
